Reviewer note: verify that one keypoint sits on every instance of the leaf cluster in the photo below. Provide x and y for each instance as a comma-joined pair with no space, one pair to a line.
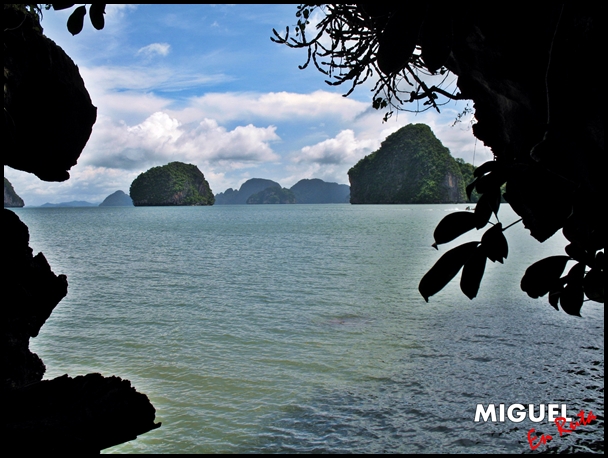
584,280
395,44
75,22
470,257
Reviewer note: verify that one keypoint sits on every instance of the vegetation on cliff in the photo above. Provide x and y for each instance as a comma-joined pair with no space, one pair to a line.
173,184
411,167
273,195
11,199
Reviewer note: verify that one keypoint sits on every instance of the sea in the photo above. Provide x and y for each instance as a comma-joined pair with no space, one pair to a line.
300,329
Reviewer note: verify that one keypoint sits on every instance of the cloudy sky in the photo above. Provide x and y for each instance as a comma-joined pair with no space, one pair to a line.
205,85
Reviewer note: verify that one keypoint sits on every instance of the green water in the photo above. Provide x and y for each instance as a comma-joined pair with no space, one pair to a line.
299,328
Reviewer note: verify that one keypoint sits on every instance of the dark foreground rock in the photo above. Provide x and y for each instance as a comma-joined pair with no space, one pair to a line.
48,118
87,413
84,414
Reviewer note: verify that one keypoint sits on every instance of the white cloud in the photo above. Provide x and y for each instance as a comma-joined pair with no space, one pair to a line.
160,49
344,148
161,139
273,106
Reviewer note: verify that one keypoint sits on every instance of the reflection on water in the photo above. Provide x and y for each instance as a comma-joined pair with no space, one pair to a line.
300,329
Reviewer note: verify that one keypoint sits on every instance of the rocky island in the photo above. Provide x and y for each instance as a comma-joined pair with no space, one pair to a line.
173,184
411,167
273,195
247,189
11,199
117,199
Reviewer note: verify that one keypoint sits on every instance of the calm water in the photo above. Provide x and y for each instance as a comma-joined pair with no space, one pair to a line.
299,328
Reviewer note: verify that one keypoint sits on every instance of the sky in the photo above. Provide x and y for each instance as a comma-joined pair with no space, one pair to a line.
205,85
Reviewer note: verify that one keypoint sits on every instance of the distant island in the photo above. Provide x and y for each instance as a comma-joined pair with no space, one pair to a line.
247,189
117,199
73,203
306,191
11,199
173,184
316,191
411,167
273,195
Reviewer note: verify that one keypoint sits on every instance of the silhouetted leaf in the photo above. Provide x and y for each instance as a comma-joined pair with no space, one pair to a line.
62,6
472,273
572,297
593,285
576,252
453,225
470,188
495,244
554,297
76,20
543,276
96,12
488,203
484,168
445,269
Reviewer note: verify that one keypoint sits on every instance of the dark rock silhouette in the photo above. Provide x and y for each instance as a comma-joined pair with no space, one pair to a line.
48,118
48,114
247,189
11,199
117,199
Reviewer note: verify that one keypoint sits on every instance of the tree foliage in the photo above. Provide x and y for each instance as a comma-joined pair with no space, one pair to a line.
516,67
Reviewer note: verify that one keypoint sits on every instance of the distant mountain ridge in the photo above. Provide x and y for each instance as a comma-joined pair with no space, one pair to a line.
316,191
73,203
306,191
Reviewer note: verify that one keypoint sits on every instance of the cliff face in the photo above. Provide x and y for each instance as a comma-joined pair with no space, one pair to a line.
247,189
173,184
11,199
411,167
273,195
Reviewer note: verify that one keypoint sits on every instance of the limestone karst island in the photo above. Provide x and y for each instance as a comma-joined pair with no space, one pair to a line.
411,167
173,184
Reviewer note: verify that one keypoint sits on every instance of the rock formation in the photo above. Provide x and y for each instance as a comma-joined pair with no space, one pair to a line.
273,195
48,118
11,199
247,189
411,167
173,184
316,191
117,199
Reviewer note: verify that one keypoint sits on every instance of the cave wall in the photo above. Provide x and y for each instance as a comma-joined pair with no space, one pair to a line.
48,118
